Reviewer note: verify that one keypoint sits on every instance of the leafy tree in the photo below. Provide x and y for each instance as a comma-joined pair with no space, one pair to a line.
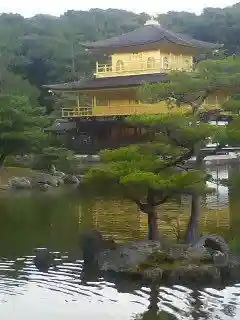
61,158
152,173
20,127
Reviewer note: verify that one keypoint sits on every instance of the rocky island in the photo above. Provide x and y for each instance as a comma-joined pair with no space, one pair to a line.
207,261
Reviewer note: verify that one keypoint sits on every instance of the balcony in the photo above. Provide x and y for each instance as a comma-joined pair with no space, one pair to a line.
141,67
120,110
125,110
76,112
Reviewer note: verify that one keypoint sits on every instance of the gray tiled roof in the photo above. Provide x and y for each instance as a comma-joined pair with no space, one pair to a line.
111,82
149,34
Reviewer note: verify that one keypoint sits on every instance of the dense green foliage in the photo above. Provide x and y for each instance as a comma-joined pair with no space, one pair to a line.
193,89
20,126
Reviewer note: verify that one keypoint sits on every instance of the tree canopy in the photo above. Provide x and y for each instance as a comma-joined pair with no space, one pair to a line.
152,173
20,126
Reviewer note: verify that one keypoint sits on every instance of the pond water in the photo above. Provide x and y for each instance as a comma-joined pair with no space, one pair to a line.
68,292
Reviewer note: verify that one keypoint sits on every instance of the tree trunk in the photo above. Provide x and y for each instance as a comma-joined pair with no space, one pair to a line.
193,229
2,159
152,216
152,225
193,232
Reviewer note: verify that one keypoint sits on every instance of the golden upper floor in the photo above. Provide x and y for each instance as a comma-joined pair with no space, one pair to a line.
170,57
150,49
123,102
143,55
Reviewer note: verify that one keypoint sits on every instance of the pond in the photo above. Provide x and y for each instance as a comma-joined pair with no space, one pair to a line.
54,220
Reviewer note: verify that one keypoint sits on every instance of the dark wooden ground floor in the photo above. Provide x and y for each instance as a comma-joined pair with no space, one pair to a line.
91,136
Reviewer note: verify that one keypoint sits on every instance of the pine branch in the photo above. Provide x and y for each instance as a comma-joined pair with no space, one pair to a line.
177,161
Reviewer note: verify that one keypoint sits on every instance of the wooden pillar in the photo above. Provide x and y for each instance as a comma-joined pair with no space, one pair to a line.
78,100
94,101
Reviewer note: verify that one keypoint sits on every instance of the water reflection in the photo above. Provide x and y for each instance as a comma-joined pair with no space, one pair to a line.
70,291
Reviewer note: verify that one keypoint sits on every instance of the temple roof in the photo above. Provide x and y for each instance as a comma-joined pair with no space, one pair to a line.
111,82
150,34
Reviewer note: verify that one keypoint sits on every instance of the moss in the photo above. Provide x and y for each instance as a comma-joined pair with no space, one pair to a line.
153,261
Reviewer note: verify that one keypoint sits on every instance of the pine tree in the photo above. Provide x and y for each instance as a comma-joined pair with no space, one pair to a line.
154,172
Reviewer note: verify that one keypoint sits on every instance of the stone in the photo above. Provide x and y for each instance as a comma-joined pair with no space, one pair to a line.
44,187
20,183
91,243
128,256
43,259
71,179
220,259
59,174
215,238
45,178
80,177
153,274
200,254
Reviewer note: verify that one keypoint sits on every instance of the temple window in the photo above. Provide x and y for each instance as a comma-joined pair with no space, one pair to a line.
119,65
165,63
151,63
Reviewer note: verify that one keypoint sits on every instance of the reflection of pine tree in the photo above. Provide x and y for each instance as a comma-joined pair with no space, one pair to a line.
233,194
153,312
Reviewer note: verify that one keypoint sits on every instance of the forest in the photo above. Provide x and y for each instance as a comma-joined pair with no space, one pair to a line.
46,49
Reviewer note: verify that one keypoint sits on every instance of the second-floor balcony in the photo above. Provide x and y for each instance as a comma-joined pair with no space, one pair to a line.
142,67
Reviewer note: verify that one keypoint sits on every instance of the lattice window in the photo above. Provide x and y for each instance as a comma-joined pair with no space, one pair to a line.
151,63
119,65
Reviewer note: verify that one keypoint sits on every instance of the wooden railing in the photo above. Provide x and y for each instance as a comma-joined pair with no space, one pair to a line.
139,67
76,112
120,110
124,110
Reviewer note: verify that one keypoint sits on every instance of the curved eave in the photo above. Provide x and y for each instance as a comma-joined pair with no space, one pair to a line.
107,83
202,45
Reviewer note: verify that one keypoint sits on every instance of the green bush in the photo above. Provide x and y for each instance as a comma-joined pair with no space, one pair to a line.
61,158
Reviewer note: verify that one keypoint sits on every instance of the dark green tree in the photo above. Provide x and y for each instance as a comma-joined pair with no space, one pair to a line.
21,127
152,173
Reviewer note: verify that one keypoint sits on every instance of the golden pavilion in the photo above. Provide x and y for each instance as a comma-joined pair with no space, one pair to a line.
146,54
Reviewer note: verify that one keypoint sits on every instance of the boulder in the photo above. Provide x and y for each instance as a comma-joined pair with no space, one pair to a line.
213,238
92,244
43,259
20,183
59,174
45,178
44,187
127,257
80,177
71,179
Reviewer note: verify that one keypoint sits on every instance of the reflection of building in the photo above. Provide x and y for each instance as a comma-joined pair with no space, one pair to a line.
100,104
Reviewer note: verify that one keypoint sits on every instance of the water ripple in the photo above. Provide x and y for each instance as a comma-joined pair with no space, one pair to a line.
63,283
